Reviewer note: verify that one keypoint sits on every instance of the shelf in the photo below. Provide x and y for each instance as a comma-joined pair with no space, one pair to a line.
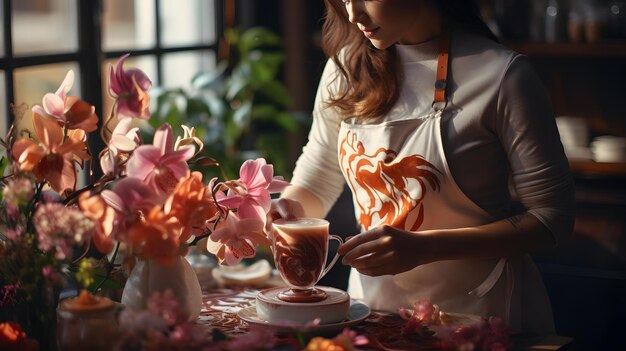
605,50
598,168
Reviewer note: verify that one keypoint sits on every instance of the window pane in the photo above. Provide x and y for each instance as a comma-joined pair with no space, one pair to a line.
128,24
32,83
188,22
145,63
44,26
179,68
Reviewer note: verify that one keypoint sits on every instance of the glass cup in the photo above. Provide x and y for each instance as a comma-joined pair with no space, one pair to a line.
300,249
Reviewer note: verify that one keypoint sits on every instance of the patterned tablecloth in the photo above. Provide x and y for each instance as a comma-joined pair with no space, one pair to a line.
220,308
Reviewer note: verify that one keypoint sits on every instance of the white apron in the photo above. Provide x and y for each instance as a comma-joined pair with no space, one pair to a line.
399,175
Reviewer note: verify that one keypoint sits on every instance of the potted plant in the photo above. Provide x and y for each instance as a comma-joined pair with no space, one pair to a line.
240,108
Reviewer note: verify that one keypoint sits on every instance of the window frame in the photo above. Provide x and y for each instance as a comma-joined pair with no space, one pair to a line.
89,55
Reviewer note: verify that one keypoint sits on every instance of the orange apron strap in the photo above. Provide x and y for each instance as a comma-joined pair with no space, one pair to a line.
443,63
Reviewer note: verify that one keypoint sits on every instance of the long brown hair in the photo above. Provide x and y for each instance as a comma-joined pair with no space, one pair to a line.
374,76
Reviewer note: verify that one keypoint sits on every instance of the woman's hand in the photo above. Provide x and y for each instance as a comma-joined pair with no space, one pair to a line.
387,250
285,208
292,204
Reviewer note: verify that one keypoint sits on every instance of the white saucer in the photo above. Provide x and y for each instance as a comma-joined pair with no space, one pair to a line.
357,312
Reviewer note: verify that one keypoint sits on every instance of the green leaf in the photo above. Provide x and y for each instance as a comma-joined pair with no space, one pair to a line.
286,121
256,37
275,149
237,84
271,60
197,109
260,73
276,92
4,162
212,79
216,105
263,112
242,115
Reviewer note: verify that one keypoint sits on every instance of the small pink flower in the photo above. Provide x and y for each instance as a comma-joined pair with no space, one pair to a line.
257,338
129,88
19,191
61,228
351,337
250,195
235,239
14,233
159,165
167,307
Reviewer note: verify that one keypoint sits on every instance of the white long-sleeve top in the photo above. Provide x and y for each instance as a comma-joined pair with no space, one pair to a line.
502,130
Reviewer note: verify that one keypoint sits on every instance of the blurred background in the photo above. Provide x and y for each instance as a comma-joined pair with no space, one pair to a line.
245,72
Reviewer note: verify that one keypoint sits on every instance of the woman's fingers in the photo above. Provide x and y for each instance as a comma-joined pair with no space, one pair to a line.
378,259
361,250
356,241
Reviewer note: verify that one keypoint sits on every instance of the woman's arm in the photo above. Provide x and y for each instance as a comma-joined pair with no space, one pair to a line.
297,202
387,250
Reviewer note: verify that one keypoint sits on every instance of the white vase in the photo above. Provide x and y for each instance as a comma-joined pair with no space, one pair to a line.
149,276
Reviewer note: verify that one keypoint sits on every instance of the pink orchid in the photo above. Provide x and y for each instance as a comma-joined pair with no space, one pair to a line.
250,195
235,239
68,110
159,165
124,138
123,141
130,88
131,195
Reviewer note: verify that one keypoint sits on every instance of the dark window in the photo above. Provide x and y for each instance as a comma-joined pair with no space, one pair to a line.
171,40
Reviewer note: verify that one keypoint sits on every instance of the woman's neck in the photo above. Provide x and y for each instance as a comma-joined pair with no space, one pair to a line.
427,26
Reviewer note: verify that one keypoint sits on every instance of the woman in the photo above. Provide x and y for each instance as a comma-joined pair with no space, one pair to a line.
428,119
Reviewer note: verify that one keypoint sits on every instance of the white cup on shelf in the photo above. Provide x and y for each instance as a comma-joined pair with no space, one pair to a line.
608,148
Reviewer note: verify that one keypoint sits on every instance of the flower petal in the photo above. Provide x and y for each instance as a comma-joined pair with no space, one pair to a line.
143,161
277,185
48,131
66,85
54,106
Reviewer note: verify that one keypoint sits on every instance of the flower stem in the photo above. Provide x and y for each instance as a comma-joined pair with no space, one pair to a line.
109,267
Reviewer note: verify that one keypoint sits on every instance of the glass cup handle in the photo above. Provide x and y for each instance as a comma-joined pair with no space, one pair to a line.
334,260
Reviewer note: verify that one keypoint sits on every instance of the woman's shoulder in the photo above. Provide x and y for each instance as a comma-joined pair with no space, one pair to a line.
481,49
475,55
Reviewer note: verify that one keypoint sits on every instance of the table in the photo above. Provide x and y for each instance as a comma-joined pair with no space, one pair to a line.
220,308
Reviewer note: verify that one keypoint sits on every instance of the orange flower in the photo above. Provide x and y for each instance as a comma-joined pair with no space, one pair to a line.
13,338
104,218
321,344
191,204
54,157
346,341
81,115
156,237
